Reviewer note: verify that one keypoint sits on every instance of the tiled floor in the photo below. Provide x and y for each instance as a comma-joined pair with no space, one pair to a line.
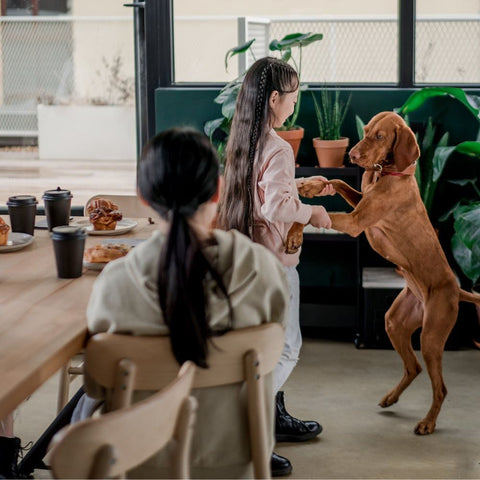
340,386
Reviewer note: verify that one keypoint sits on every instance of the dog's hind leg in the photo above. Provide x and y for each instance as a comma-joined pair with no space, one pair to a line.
441,313
401,320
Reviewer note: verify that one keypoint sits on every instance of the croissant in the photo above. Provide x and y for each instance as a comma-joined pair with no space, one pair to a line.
4,228
103,214
101,203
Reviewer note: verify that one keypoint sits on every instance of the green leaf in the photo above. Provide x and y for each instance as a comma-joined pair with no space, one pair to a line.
467,261
467,224
469,148
360,125
287,54
439,161
237,50
418,98
210,127
228,106
294,40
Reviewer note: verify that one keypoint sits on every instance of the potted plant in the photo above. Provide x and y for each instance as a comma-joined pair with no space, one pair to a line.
219,128
466,242
330,112
290,131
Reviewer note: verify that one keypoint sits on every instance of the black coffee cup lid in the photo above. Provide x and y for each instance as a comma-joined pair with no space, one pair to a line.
20,200
58,193
67,231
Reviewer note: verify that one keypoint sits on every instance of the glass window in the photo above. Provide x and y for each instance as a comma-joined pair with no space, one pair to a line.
36,7
447,42
360,42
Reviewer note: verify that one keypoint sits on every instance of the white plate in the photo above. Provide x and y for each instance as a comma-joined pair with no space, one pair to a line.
123,226
16,241
94,265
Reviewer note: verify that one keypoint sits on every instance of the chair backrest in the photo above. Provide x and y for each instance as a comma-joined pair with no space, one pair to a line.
130,205
109,445
245,354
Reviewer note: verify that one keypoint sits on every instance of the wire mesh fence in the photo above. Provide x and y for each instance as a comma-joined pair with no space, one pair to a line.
354,49
91,59
62,60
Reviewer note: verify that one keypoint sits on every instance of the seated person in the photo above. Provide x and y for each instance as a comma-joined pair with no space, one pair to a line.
191,282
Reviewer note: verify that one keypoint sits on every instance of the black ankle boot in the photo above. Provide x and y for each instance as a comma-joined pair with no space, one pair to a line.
291,429
279,465
9,450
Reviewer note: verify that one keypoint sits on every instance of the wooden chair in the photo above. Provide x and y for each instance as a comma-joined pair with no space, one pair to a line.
241,355
109,445
130,205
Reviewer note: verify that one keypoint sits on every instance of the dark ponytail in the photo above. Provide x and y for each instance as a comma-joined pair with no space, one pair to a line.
178,172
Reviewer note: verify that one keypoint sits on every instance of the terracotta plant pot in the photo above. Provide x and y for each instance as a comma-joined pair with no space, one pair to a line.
293,137
330,153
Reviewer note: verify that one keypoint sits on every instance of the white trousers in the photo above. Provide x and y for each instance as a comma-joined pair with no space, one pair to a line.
293,335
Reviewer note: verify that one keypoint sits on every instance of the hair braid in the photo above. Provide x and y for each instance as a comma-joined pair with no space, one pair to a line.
254,136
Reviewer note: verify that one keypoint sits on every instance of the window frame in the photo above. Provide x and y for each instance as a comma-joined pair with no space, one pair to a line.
161,19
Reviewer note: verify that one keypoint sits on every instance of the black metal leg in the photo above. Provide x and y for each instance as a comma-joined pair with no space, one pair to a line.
34,458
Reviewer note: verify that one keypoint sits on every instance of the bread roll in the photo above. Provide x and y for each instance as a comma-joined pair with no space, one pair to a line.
106,253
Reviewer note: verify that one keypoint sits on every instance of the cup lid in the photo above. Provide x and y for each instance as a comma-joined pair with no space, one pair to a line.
20,200
68,231
57,193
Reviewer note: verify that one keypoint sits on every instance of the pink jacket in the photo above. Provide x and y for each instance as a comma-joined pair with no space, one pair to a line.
277,204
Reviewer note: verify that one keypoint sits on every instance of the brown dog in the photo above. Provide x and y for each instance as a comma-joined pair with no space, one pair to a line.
390,211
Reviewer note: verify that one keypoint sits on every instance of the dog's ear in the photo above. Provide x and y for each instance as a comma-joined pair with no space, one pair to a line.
405,149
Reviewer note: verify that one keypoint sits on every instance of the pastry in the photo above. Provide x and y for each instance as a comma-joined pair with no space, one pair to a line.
4,228
103,214
106,252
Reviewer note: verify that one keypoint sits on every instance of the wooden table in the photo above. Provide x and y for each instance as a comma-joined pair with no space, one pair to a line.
42,317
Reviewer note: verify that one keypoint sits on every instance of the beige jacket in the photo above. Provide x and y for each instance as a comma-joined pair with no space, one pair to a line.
125,300
277,204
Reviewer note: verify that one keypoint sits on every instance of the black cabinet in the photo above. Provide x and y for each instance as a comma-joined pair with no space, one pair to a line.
329,269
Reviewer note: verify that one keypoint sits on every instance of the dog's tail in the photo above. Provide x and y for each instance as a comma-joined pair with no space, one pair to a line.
469,297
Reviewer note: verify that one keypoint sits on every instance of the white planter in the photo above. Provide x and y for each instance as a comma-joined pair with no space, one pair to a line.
86,132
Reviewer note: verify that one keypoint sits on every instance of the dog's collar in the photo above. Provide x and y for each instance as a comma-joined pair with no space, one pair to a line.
380,170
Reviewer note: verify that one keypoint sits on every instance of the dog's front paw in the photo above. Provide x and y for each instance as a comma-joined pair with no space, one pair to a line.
388,400
311,188
294,238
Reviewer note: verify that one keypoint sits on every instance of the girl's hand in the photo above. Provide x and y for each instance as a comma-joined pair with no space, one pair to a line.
320,217
326,189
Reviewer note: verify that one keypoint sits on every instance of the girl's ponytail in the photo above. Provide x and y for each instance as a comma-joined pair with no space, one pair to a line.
178,173
181,272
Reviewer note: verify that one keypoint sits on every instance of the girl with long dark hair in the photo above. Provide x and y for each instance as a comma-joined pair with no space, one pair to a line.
260,199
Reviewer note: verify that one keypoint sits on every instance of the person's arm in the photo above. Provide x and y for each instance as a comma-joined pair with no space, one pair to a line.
281,201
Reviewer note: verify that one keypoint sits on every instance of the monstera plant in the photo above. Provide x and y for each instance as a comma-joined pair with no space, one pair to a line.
219,128
435,152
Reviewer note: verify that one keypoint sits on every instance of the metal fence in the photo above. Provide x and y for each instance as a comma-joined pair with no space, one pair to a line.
67,59
354,49
62,60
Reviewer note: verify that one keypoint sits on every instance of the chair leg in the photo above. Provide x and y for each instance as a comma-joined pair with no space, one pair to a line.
257,417
63,387
180,462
